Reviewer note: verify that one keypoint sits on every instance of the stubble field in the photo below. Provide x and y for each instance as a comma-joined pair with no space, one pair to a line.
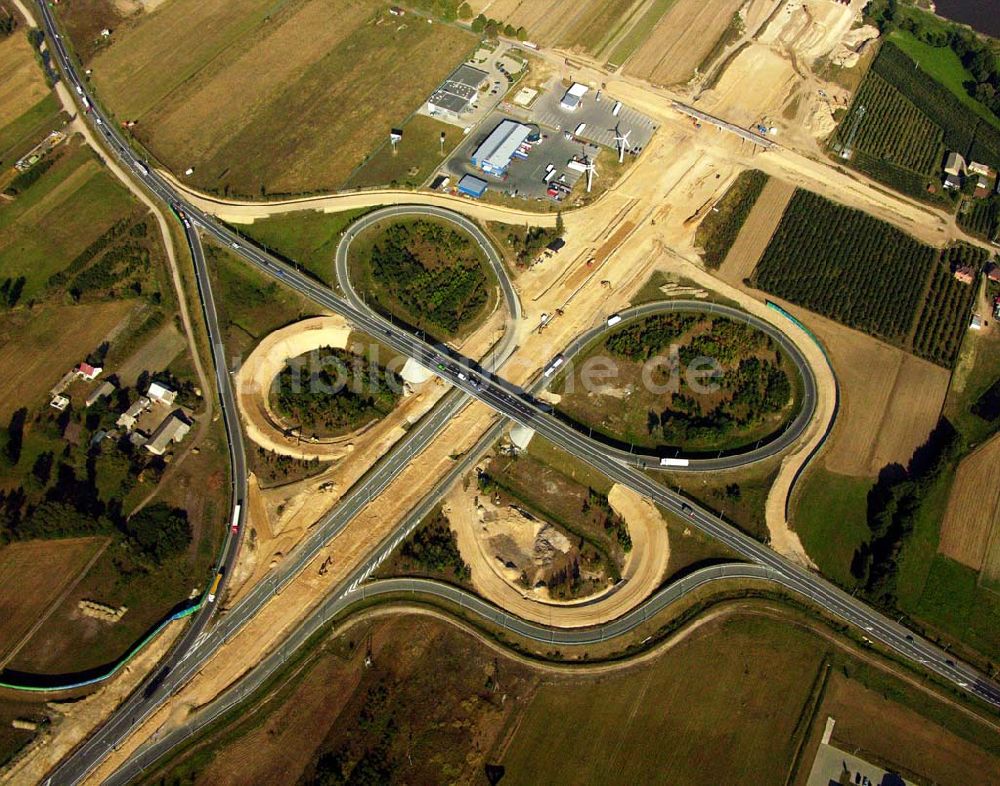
33,573
272,101
588,25
889,399
756,232
971,519
681,40
21,82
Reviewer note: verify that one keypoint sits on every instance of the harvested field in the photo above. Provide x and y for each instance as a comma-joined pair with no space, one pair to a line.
155,354
889,400
21,82
914,404
41,346
681,40
972,518
225,108
756,232
587,25
34,574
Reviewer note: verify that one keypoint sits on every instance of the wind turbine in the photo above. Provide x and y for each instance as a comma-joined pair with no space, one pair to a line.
591,173
622,141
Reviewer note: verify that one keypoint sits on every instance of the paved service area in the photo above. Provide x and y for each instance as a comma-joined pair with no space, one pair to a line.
524,177
547,110
831,763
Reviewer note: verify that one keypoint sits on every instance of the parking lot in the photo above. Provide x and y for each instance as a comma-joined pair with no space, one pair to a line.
598,116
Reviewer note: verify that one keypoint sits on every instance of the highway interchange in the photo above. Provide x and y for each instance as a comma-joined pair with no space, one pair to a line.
206,633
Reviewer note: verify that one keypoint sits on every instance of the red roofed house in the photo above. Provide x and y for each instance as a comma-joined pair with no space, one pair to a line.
993,271
964,273
88,372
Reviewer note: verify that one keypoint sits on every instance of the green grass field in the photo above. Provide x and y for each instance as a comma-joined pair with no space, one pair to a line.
22,133
830,517
417,156
941,63
308,239
250,304
741,700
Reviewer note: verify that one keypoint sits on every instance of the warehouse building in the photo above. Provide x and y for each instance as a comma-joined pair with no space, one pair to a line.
458,92
493,156
472,186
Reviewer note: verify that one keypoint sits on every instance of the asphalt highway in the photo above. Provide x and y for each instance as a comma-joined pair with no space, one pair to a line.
201,640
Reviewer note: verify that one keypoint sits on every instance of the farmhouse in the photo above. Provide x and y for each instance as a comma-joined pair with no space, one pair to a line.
88,372
59,402
954,165
457,94
964,273
976,168
952,182
993,271
173,429
160,394
494,155
574,96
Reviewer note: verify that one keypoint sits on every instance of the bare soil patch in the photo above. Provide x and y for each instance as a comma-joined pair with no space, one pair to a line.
757,82
756,232
681,40
972,518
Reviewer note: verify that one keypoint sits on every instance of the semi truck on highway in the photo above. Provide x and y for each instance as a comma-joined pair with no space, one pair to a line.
674,462
215,587
234,524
